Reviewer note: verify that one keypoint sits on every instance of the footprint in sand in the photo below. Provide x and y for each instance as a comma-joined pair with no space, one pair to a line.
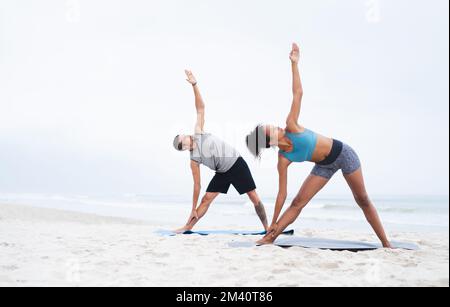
280,271
360,264
161,264
10,267
410,265
330,266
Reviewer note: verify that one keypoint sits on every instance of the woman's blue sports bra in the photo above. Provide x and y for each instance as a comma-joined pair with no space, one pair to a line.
304,144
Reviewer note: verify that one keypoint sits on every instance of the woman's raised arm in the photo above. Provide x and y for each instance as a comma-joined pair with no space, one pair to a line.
297,90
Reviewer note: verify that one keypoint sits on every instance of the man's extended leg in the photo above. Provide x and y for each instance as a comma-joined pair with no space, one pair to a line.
259,207
201,211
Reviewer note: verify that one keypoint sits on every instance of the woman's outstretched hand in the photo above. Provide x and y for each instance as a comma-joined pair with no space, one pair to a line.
295,54
269,238
272,230
190,77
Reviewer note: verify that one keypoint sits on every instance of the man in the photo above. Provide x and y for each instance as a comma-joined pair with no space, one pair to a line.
230,167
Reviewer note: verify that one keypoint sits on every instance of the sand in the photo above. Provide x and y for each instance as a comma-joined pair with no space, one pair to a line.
46,247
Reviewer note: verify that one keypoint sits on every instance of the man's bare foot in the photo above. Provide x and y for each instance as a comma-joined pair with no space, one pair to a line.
182,230
387,245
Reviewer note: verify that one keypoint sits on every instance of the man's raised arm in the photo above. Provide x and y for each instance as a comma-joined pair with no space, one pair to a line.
199,103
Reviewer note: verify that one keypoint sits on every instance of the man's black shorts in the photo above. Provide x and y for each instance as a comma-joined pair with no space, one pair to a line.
239,176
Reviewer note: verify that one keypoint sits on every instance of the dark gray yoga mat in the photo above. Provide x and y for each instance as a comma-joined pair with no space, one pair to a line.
220,232
335,245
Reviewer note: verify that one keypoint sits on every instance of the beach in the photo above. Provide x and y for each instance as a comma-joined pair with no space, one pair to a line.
119,120
50,247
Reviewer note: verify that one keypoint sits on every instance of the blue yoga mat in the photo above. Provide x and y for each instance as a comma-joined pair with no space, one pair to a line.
335,245
221,232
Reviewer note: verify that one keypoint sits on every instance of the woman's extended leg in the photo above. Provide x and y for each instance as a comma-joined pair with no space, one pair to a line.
356,183
312,185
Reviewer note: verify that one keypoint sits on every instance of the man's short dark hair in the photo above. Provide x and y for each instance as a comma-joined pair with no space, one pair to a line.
177,143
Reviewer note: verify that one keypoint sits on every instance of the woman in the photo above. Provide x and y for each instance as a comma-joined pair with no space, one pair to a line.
298,144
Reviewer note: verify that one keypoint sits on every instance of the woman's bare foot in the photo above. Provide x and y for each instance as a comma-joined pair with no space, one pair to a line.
267,240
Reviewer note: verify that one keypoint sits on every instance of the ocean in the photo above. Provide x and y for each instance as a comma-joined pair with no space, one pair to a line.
399,213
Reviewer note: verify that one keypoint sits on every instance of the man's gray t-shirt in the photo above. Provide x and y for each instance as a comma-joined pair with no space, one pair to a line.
214,153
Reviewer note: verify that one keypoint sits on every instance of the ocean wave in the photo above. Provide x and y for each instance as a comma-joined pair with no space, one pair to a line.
356,208
387,221
386,209
332,211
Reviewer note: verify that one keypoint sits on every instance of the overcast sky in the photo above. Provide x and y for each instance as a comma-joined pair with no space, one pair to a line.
92,92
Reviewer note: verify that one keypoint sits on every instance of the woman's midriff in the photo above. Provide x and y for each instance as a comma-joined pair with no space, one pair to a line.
323,148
